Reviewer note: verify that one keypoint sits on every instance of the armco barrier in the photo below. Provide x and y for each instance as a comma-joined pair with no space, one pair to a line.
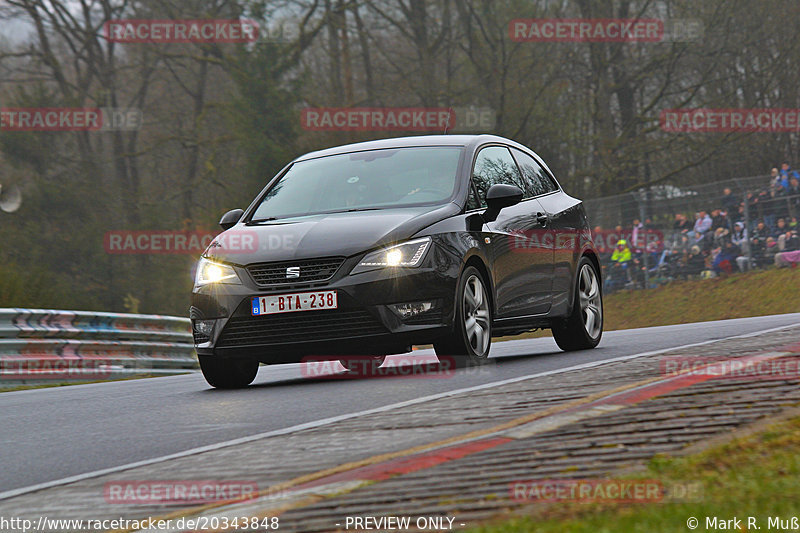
45,345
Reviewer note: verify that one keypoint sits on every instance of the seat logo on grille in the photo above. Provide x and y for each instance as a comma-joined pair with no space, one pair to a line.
293,272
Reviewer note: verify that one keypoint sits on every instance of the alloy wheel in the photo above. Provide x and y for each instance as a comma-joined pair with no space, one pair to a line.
591,306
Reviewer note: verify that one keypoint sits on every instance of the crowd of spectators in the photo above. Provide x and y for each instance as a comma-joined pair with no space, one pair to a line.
727,238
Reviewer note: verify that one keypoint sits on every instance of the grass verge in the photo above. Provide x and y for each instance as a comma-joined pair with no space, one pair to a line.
754,476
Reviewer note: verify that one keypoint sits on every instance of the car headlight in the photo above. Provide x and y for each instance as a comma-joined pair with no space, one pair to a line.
409,254
211,272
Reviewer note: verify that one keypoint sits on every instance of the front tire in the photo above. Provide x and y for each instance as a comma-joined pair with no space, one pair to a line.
583,328
471,338
224,373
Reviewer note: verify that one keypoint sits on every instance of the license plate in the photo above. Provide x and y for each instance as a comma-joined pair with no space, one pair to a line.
289,303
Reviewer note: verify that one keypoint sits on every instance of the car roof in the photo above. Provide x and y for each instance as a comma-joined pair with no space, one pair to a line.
415,140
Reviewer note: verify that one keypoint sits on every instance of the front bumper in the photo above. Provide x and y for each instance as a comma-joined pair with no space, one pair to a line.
363,324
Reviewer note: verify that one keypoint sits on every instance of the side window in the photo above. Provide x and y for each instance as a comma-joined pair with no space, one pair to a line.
537,180
495,165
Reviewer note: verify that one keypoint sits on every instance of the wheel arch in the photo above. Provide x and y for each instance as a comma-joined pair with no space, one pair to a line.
476,261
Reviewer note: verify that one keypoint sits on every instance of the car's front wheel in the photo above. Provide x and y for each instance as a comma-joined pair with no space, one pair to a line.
225,373
471,338
584,326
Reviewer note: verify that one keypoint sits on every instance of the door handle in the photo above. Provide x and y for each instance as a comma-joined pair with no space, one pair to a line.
542,218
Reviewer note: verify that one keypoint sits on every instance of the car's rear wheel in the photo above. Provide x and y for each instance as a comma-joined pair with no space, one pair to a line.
471,339
226,373
583,328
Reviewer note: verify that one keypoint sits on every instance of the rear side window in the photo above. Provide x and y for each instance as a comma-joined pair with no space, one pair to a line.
537,180
494,164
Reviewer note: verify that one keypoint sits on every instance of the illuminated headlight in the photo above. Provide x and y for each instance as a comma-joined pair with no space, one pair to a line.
409,254
210,272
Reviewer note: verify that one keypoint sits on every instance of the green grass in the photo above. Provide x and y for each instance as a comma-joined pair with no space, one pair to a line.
752,476
766,292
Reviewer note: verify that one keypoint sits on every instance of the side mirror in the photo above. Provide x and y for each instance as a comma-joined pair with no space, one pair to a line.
499,196
230,218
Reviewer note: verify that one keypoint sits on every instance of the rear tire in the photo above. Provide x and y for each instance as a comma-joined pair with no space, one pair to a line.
583,328
225,373
471,339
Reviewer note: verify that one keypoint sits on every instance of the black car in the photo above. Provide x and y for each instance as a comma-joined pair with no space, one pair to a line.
366,249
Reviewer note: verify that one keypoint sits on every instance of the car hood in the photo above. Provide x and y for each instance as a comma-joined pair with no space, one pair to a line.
323,235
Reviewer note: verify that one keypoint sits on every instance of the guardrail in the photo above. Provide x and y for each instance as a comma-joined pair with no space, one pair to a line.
46,345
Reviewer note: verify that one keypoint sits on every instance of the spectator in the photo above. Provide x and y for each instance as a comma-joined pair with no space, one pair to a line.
789,242
729,202
622,254
720,237
770,250
740,240
618,272
758,243
701,225
680,243
780,228
725,259
637,234
739,237
790,255
681,224
694,263
779,197
738,214
783,178
719,219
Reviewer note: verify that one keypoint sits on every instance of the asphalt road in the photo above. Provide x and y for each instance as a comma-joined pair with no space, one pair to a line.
50,434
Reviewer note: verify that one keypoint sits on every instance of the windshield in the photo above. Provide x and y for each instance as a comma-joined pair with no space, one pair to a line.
375,179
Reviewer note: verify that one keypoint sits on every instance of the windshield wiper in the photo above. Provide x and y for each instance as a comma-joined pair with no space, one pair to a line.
355,209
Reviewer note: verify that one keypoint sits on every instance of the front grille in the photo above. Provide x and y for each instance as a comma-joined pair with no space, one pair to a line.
311,270
299,327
